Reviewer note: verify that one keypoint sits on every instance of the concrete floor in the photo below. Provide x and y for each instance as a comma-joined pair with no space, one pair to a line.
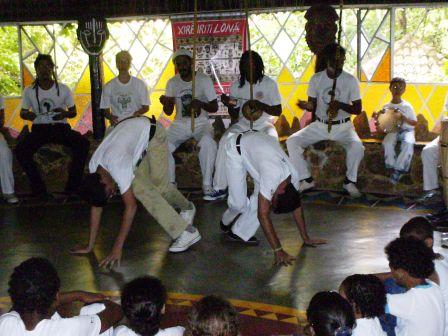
356,234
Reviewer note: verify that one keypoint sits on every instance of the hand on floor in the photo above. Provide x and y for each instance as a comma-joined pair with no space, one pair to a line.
112,260
314,242
283,259
81,249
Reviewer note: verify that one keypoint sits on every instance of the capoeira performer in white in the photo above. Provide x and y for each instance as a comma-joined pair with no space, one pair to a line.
275,180
179,93
431,159
124,96
347,102
134,156
6,175
266,98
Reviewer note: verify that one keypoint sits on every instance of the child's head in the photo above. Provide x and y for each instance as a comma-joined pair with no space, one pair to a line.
329,314
33,286
366,294
409,258
143,302
397,86
213,316
419,228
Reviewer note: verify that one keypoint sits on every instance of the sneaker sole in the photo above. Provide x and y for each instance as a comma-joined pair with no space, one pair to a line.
184,248
209,198
241,241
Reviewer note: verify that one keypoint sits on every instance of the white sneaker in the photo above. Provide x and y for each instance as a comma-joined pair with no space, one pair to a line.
11,198
188,215
352,190
304,185
185,240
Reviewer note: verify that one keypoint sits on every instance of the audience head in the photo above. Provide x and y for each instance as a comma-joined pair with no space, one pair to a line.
257,67
329,314
419,228
33,286
366,294
409,258
143,303
93,190
213,316
44,66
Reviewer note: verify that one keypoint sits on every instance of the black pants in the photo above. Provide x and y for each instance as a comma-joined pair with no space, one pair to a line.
42,134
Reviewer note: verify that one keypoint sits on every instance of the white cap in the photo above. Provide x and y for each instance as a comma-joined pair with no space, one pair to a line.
182,52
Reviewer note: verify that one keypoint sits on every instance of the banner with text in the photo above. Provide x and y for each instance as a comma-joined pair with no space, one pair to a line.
219,46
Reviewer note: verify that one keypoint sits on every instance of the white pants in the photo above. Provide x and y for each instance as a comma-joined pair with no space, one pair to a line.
238,202
430,160
6,176
220,178
402,162
179,132
344,134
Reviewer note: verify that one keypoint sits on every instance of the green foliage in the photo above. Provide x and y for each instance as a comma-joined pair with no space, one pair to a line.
9,62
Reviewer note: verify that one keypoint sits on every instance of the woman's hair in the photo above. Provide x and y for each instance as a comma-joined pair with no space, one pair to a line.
329,314
244,67
39,58
213,316
142,301
411,255
33,286
367,292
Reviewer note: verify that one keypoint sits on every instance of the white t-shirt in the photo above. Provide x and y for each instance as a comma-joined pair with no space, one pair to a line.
95,309
368,327
174,331
124,99
442,271
181,90
12,325
121,149
265,91
408,112
266,162
420,311
347,91
48,101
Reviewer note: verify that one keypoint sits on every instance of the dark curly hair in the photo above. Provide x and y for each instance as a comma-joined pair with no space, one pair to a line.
328,313
411,255
213,316
33,286
397,80
142,301
418,227
257,62
367,292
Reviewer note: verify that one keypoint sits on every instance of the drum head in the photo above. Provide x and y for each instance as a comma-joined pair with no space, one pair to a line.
389,120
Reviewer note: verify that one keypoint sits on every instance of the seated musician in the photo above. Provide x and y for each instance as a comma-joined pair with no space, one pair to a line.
399,164
179,94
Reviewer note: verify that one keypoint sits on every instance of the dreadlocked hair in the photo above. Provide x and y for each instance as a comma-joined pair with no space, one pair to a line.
259,67
33,286
39,58
142,301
